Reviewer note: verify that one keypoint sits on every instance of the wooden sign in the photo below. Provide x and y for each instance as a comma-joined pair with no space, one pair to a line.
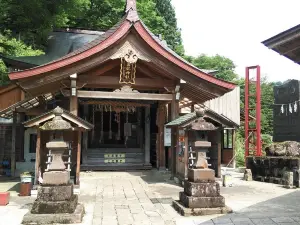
115,158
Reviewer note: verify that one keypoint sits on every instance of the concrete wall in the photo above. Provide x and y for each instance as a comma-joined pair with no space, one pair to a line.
27,165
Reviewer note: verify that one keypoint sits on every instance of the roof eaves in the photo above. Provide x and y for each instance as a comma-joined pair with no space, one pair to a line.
282,37
182,120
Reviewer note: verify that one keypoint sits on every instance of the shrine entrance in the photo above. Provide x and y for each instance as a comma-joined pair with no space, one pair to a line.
119,135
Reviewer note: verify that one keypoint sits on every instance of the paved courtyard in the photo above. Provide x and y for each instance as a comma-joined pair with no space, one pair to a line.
145,198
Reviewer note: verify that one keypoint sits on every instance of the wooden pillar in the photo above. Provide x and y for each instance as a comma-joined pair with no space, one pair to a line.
78,158
170,148
13,145
174,115
22,138
219,140
186,152
73,95
161,146
74,105
233,148
37,156
147,135
85,136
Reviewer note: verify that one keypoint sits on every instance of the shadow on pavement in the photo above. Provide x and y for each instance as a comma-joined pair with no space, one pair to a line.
281,210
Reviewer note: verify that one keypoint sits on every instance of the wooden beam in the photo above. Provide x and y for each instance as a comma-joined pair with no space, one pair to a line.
121,95
13,145
111,81
37,156
78,158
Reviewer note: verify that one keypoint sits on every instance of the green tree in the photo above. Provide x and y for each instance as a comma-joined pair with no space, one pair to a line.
223,65
172,34
31,20
12,47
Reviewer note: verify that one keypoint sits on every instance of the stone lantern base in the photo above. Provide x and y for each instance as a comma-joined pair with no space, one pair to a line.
55,204
201,195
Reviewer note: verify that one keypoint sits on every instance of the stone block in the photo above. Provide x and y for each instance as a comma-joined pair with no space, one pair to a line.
202,189
56,177
201,202
48,207
201,175
248,175
199,211
55,193
288,179
61,218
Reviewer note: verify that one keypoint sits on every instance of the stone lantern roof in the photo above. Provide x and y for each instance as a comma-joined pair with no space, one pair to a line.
59,119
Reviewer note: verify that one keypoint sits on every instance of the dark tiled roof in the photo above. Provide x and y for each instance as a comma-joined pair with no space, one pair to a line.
182,119
60,44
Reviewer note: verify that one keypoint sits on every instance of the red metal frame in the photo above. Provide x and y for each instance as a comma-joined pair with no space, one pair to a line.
253,141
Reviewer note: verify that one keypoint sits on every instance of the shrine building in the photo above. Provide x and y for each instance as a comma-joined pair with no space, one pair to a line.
128,84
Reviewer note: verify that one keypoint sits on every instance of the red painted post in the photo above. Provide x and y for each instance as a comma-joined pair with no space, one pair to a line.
257,129
258,113
247,113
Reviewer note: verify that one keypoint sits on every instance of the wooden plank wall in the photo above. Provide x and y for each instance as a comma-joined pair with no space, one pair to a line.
228,105
10,95
6,141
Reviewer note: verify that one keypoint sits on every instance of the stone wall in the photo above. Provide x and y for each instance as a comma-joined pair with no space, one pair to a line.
273,169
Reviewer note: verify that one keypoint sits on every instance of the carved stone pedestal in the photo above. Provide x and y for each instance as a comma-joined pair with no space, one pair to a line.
201,195
55,204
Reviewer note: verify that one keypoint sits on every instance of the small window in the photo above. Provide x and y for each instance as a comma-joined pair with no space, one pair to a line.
227,138
32,143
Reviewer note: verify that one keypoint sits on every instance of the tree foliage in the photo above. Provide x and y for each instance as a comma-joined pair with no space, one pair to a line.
31,20
224,66
12,47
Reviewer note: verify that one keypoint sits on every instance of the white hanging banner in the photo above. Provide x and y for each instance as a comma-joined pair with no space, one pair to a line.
290,108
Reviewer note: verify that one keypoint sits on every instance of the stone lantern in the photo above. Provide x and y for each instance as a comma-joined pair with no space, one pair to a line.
201,195
56,202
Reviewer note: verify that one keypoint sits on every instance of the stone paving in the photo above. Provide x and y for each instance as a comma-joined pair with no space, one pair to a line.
145,198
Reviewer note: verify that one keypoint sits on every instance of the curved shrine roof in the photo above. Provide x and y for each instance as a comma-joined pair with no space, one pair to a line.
110,37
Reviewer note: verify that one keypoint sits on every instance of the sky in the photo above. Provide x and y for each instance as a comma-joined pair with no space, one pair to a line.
236,28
